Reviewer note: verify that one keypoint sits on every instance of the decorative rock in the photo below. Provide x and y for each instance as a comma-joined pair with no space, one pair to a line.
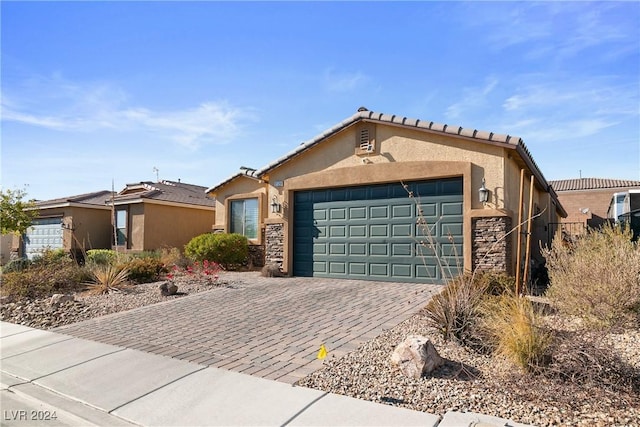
271,269
57,299
168,288
416,356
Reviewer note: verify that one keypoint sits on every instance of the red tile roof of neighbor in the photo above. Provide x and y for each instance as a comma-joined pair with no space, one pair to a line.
592,184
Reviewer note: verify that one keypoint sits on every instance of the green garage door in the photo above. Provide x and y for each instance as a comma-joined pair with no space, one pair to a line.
45,233
378,232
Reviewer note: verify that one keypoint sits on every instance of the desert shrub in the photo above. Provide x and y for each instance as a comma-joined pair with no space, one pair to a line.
172,256
14,265
144,270
585,357
512,327
228,250
455,311
51,256
101,256
597,277
39,280
107,278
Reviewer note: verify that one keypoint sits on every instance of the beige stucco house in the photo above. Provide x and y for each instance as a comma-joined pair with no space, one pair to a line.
75,224
385,197
153,215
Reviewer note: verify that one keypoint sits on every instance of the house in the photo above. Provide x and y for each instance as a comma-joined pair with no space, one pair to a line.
153,215
588,200
385,197
75,224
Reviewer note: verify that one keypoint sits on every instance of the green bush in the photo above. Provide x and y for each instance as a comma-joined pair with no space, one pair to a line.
144,270
597,277
101,256
229,250
14,265
52,256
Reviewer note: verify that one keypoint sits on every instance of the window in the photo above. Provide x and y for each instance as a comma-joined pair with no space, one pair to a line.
121,227
244,217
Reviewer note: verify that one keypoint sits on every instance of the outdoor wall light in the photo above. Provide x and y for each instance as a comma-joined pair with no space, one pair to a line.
483,193
275,205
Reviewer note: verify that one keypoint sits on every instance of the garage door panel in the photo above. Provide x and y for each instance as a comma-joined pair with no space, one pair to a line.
401,249
379,212
402,270
450,208
319,267
338,231
378,249
401,230
357,213
357,249
357,231
376,231
338,267
402,211
320,248
379,270
358,268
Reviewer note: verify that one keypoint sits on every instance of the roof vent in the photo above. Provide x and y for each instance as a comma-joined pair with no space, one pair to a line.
362,109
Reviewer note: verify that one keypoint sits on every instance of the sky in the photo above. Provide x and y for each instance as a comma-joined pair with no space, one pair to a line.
101,94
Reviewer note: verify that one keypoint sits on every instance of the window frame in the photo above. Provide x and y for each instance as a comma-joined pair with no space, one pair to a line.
118,228
258,218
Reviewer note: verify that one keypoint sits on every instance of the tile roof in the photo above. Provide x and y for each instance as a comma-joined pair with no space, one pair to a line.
168,191
591,184
364,114
97,198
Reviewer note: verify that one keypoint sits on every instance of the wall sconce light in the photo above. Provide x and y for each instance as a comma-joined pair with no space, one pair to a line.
483,193
276,207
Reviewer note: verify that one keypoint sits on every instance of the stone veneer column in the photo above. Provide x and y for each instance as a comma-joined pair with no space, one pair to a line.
491,251
274,247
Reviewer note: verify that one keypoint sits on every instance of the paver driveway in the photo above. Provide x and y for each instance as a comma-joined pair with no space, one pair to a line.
267,327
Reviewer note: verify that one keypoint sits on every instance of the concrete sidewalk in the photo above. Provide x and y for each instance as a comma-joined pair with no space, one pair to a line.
57,380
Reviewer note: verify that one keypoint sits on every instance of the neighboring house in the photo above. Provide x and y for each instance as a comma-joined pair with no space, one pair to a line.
152,215
385,197
587,200
75,224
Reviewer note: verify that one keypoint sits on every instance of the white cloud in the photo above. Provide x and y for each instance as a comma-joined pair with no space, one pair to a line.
472,98
60,105
343,82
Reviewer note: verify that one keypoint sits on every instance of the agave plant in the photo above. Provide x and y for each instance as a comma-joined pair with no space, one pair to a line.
107,278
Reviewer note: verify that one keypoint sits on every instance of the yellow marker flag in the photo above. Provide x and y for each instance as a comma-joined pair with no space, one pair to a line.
322,353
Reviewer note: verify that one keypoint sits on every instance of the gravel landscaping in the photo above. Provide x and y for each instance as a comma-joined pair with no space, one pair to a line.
478,383
467,382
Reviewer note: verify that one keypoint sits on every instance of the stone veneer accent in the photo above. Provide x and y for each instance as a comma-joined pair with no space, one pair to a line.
491,250
274,238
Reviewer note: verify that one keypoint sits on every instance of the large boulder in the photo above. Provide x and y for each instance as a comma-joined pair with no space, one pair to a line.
416,356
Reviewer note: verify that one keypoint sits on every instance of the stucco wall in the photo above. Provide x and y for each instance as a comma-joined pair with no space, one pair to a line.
136,224
91,228
174,226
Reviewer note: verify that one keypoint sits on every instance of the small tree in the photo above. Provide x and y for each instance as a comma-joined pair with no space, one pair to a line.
16,215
